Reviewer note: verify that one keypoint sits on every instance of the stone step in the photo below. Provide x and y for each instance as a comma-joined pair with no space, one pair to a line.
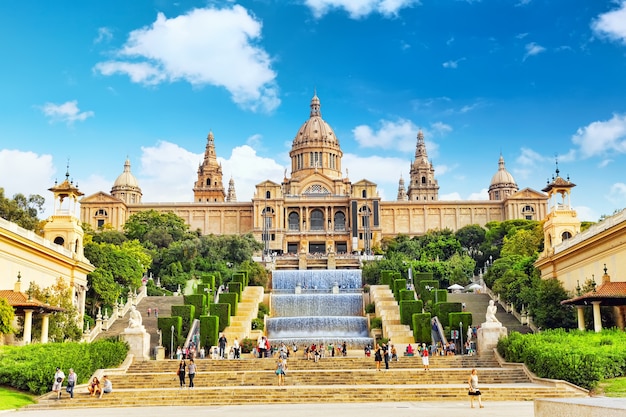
300,394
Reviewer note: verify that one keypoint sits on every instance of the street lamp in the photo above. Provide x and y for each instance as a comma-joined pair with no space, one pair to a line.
461,336
172,344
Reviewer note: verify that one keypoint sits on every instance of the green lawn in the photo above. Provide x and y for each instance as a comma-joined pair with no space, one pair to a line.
11,399
615,387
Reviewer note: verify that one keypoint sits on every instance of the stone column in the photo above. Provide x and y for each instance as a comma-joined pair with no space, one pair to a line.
28,326
581,317
44,327
597,321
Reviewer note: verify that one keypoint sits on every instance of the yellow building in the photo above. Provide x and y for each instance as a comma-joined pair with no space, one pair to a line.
26,257
574,257
317,209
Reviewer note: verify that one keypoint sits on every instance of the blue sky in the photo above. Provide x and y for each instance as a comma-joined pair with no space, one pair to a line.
533,80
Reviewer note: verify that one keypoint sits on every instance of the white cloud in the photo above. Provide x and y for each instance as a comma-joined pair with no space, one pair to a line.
452,64
27,173
612,25
533,49
357,9
602,137
400,134
617,194
203,47
67,112
104,35
529,157
587,214
387,172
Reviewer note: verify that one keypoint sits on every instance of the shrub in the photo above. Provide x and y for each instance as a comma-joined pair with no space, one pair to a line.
263,310
258,324
376,323
247,345
370,308
31,367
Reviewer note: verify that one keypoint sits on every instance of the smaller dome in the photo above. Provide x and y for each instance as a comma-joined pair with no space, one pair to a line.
502,177
126,178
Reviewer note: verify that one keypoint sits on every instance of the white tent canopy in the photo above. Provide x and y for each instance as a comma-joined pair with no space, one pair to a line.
474,287
455,287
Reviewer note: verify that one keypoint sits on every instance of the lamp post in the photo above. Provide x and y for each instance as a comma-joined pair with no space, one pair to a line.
461,336
172,344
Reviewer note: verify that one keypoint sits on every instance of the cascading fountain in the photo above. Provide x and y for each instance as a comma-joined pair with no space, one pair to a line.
317,306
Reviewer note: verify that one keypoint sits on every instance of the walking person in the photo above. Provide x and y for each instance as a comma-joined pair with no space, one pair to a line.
425,359
386,355
59,376
71,382
378,356
474,392
281,369
182,366
191,369
237,349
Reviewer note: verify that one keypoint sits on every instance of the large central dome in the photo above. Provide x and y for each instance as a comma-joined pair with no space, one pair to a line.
315,146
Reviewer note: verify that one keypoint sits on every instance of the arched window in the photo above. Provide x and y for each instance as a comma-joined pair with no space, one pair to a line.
268,194
59,240
364,194
208,182
340,221
317,220
528,212
101,213
423,180
294,221
268,214
566,235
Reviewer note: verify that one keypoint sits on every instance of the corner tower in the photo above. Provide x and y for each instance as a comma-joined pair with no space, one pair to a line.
423,185
209,187
64,226
562,221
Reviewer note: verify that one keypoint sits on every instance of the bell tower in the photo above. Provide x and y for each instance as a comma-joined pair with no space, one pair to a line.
562,221
64,226
423,186
209,187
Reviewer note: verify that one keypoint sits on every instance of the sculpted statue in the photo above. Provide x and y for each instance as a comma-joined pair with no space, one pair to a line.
134,319
490,317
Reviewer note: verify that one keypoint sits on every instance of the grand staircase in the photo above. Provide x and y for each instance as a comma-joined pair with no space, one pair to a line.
338,379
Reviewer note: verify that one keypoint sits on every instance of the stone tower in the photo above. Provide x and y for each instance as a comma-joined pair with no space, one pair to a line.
209,187
423,185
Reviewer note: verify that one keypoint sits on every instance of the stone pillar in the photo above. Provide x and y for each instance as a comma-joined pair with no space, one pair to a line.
581,317
28,326
597,321
138,340
45,319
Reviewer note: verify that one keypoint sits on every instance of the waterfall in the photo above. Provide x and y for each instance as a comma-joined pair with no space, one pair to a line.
317,306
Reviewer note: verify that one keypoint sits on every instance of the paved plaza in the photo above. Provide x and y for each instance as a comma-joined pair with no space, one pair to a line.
401,409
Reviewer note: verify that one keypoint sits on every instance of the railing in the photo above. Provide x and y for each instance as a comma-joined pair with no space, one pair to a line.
105,322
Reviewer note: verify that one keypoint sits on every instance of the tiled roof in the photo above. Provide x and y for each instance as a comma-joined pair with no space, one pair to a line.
611,293
21,301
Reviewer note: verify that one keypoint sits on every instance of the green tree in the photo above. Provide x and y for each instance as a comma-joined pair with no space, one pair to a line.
525,242
546,308
6,317
461,269
22,210
158,229
62,326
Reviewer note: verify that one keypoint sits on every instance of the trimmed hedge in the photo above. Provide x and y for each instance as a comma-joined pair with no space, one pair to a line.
32,367
209,326
398,285
241,277
422,327
454,319
235,288
406,295
425,294
199,301
386,276
231,298
222,311
408,308
165,325
187,313
208,278
443,310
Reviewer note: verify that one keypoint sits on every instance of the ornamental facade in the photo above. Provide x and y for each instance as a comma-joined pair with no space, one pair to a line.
317,209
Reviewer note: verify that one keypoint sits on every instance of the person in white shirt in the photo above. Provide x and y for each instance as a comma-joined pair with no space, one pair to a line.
59,376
